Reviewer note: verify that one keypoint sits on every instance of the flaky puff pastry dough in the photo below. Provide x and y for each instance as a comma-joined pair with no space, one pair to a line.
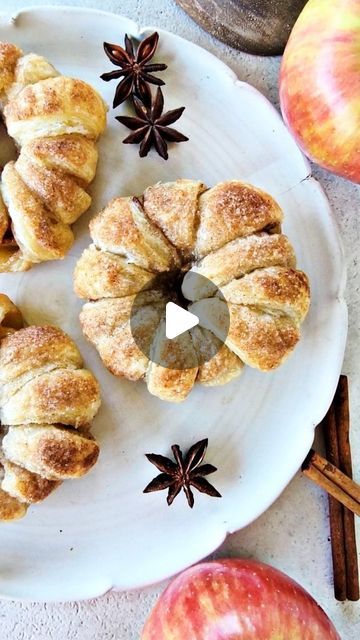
229,234
47,402
55,121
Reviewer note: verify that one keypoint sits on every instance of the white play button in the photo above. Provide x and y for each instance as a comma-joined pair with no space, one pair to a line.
166,332
178,320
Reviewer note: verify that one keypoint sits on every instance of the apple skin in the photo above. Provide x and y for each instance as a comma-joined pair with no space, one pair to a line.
320,85
236,599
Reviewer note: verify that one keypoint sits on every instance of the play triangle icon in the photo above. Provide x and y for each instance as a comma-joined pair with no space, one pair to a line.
178,320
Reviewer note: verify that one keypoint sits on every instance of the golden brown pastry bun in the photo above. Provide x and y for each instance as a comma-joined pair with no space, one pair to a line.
44,390
55,121
154,244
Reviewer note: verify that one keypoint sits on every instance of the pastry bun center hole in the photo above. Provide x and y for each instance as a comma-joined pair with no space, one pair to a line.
171,282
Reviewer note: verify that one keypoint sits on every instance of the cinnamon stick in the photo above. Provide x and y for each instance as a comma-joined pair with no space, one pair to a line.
342,412
343,538
333,481
335,511
338,478
338,551
334,474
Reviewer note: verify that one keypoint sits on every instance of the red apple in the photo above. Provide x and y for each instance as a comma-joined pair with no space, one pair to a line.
236,600
320,84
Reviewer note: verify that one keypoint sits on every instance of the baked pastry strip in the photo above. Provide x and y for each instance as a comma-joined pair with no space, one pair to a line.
108,325
122,228
101,274
169,382
173,207
220,365
260,339
51,451
233,209
275,290
234,260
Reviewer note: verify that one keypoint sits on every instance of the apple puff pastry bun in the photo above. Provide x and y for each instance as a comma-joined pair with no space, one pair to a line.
47,402
215,251
55,122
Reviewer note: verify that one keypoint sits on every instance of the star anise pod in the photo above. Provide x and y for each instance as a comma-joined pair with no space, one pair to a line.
136,72
150,126
184,473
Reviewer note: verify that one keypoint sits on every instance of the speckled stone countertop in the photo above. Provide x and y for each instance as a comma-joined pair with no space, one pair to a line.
294,534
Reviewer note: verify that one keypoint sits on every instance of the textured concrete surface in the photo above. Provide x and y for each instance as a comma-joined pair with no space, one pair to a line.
293,534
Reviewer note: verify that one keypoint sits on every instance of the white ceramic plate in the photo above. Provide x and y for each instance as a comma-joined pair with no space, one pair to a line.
103,532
